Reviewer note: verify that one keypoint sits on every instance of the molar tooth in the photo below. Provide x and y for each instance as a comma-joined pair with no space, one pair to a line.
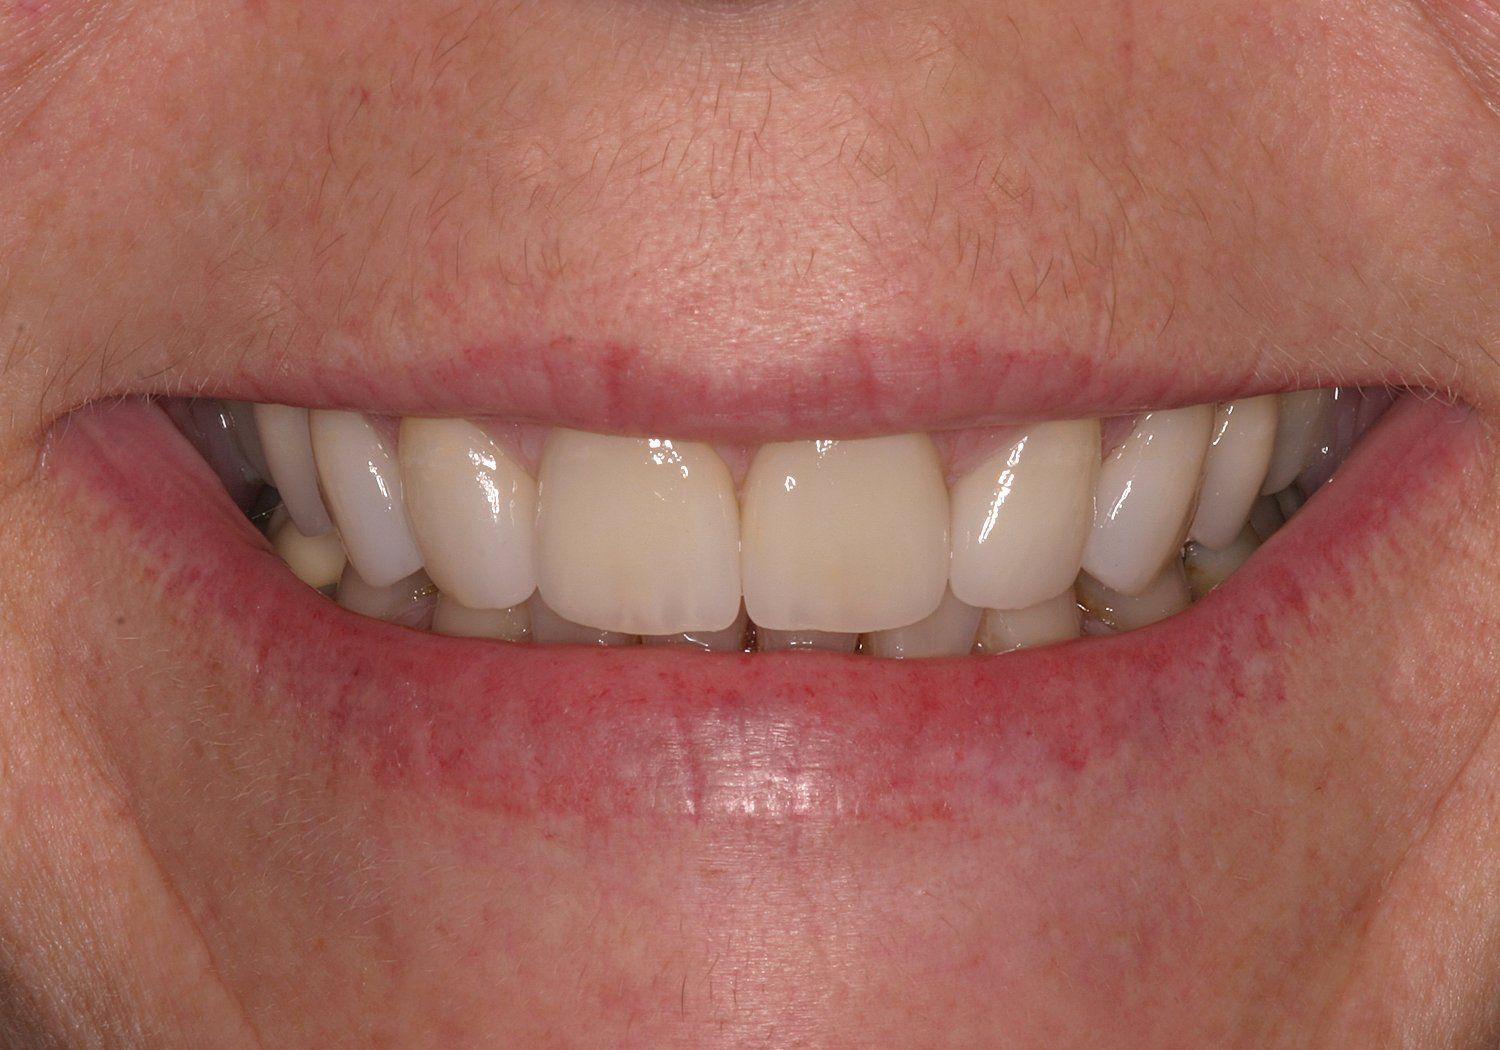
548,628
1166,595
811,641
637,535
1300,419
949,631
844,536
730,639
1144,498
1244,435
360,479
1058,619
1020,520
286,442
511,624
472,510
317,561
1208,567
408,601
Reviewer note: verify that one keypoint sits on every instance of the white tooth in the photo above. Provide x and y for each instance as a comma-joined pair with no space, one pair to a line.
844,536
511,625
811,641
317,561
1266,518
1243,436
1020,520
408,601
1300,419
361,481
1057,619
949,631
637,535
548,628
1145,496
729,640
243,415
1207,567
1167,595
472,510
287,444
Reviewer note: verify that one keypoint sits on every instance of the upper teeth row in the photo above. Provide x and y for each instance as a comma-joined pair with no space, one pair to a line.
649,536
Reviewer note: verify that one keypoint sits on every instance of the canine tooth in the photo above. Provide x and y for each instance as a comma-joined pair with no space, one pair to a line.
1020,519
472,510
1167,595
637,535
243,415
1300,419
407,601
1266,518
361,482
819,641
729,640
1244,435
949,631
548,628
1145,495
317,561
844,536
1058,619
512,624
1207,567
286,441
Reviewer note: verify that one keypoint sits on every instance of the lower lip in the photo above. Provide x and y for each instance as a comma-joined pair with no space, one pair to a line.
602,733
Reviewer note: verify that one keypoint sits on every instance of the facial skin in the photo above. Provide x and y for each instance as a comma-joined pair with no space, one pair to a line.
440,207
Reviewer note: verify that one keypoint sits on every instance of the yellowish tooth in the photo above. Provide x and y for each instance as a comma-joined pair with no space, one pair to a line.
286,443
407,602
1208,567
1058,619
1167,595
512,624
949,631
548,628
809,641
317,561
1302,417
1243,437
729,640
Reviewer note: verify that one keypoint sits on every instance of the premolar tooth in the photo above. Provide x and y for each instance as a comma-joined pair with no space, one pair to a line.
246,435
1207,567
1057,619
1244,435
844,536
1332,446
730,639
548,628
408,601
637,535
472,510
1145,494
949,631
1166,595
1020,520
358,474
511,624
317,561
810,641
1300,418
286,442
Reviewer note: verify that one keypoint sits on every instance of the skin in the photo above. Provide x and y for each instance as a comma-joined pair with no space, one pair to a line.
1224,198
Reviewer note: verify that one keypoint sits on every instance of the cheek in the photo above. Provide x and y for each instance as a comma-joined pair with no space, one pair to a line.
1471,29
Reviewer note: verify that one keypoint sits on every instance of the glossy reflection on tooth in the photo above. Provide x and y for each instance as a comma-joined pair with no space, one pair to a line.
472,510
731,639
286,443
949,631
548,628
1145,496
1021,518
844,536
1165,596
1058,619
511,624
1207,567
361,482
317,561
1301,417
408,601
806,641
1244,435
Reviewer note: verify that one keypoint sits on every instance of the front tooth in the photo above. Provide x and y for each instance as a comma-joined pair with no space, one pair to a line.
810,641
317,561
1021,519
949,631
1058,619
1244,435
407,601
1300,420
844,536
472,510
361,481
548,628
286,442
1208,567
1145,495
637,535
512,624
729,640
1165,596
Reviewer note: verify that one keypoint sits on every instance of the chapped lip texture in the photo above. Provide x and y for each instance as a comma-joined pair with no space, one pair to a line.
647,731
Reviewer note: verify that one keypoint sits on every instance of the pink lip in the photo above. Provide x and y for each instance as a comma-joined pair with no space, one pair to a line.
600,733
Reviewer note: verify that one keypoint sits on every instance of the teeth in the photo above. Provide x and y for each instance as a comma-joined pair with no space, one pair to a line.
548,628
1340,428
358,474
1208,567
287,444
637,535
243,415
1165,596
472,510
1243,437
1145,495
729,640
317,561
949,631
1057,619
512,624
1300,421
819,641
1266,518
407,601
1289,501
1020,520
844,536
